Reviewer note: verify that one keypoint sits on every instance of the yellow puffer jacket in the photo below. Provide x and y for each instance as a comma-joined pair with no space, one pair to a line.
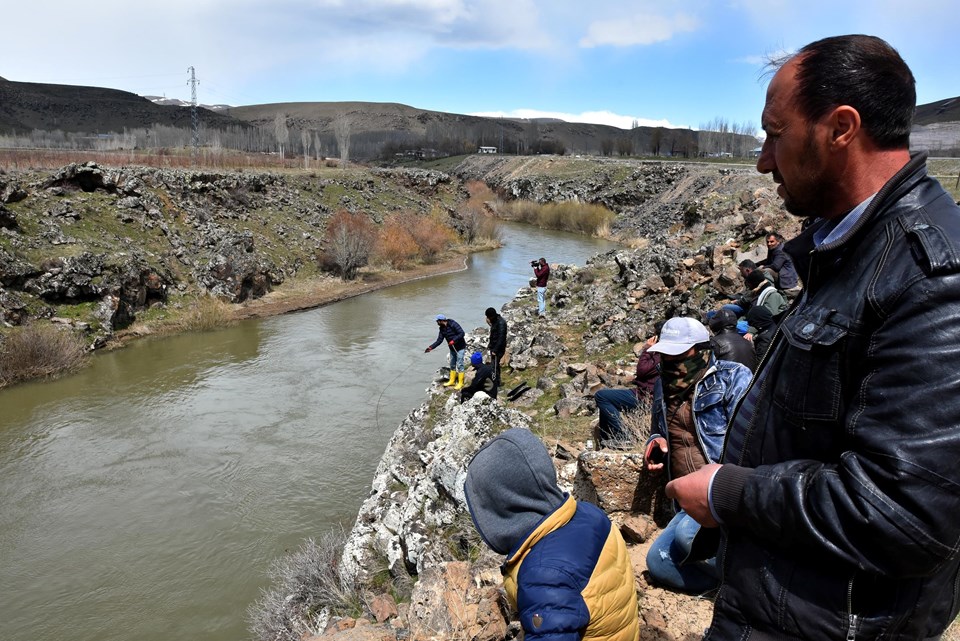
572,578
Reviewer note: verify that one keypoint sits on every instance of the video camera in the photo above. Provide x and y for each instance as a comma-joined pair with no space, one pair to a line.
534,263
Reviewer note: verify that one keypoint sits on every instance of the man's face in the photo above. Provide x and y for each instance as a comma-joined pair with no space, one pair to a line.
772,242
795,150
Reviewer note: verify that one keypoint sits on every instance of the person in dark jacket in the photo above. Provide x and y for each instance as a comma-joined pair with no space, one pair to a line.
780,262
839,491
567,571
483,379
762,328
452,334
497,344
727,343
541,270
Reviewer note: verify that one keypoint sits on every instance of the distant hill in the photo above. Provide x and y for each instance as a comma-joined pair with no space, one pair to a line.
28,106
37,111
940,111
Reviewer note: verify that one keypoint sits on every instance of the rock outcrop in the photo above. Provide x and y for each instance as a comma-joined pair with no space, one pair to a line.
121,240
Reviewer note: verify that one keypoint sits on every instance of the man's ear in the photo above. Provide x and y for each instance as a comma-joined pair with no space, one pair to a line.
845,126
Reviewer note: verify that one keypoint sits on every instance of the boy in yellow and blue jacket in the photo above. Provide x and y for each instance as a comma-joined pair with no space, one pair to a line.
567,570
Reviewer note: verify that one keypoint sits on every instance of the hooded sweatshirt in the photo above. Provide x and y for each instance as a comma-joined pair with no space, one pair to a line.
567,569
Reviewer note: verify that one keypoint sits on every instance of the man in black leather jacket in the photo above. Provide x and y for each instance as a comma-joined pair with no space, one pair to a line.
727,343
839,491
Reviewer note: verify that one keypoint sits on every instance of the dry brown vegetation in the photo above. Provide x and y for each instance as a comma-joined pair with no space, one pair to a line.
205,313
39,350
583,218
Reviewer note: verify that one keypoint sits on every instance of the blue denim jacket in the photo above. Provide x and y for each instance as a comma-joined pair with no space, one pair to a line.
714,400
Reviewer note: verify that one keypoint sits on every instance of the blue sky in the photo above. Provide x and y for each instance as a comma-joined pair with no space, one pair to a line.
674,63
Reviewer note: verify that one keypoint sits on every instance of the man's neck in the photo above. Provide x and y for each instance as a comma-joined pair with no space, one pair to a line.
863,175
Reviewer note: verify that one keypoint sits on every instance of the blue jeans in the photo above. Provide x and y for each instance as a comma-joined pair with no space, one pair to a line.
456,360
736,309
542,300
610,402
666,555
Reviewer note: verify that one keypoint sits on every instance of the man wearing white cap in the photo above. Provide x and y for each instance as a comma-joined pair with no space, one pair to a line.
692,402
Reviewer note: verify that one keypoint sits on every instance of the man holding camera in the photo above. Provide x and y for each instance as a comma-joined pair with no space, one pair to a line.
542,271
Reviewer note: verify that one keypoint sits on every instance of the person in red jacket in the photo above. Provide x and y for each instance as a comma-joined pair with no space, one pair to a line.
542,271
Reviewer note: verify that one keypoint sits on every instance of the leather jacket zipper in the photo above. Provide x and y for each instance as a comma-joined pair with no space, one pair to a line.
852,618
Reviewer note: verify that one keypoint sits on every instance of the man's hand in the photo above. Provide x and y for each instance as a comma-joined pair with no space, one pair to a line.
427,350
650,342
691,492
656,454
451,343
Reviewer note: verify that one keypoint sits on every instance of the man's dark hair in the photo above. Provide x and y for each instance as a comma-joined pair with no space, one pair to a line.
754,278
746,262
491,313
864,72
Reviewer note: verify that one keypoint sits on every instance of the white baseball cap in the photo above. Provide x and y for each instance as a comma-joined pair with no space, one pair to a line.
679,335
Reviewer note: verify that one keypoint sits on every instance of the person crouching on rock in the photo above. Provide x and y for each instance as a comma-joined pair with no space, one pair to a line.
483,381
567,569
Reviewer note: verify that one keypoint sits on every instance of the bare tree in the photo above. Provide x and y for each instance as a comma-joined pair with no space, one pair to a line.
349,240
280,131
656,139
341,129
305,139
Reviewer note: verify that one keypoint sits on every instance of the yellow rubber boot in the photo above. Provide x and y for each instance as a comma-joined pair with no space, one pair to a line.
453,376
459,384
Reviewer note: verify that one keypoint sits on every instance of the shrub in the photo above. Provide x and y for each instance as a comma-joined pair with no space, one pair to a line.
39,350
477,224
349,241
636,424
307,586
429,234
584,218
395,245
205,313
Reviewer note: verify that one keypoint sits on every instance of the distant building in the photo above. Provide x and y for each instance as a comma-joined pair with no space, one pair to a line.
487,150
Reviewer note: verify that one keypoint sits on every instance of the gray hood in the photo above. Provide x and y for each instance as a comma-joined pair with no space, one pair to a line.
511,486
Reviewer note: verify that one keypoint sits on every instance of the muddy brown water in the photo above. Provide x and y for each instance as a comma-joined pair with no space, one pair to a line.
146,497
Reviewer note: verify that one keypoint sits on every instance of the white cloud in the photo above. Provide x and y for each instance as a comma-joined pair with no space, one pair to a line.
590,117
640,29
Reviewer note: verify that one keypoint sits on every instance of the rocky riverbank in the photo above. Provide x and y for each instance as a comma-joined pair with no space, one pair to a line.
412,553
413,557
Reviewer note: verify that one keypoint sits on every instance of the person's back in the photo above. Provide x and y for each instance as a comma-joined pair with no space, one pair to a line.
728,344
761,320
767,295
567,568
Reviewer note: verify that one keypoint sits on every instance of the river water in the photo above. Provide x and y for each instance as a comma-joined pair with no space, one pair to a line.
146,496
